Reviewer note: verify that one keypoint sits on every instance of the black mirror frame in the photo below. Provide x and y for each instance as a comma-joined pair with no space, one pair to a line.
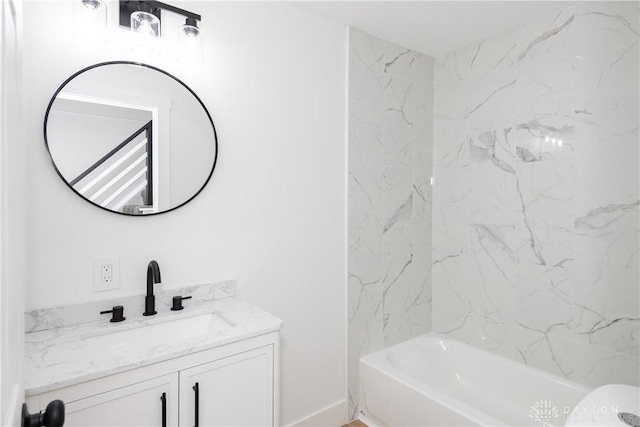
139,64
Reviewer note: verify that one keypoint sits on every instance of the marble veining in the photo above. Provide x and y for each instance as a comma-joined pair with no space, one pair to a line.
537,193
390,146
41,319
604,216
60,357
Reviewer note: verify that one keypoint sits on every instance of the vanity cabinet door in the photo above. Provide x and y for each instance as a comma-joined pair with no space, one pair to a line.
233,391
141,404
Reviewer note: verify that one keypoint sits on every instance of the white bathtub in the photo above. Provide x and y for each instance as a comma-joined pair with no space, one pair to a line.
433,380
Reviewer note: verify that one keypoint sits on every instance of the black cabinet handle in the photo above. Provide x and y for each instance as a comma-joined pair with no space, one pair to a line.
163,398
196,388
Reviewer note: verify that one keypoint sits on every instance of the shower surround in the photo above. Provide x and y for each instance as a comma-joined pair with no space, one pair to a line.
390,158
535,204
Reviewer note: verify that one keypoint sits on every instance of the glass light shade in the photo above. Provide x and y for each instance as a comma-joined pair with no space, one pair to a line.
145,23
190,31
90,21
145,48
92,4
190,45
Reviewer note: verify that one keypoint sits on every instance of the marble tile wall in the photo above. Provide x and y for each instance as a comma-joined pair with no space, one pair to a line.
390,158
535,203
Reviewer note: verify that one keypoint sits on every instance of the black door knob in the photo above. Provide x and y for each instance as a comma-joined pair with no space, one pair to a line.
53,416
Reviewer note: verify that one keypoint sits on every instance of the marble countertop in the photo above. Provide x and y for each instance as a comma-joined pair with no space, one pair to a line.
68,355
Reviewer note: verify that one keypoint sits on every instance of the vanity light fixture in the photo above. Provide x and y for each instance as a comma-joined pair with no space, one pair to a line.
144,17
90,21
189,44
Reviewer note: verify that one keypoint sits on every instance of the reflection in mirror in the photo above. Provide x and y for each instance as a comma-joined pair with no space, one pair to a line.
130,138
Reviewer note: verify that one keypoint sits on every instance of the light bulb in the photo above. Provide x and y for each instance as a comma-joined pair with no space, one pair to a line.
145,23
145,29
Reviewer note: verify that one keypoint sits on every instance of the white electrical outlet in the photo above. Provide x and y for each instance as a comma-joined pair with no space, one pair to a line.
106,273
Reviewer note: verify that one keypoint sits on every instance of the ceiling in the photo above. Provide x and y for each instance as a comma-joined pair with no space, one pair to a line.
433,27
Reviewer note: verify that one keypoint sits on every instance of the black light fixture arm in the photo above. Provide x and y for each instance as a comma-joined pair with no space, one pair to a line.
173,9
153,7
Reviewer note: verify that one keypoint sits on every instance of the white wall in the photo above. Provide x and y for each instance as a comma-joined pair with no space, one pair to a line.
273,216
12,225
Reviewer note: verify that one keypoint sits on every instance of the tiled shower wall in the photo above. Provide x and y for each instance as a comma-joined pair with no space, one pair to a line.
390,158
535,228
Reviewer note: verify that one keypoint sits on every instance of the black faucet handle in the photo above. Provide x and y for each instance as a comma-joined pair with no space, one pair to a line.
177,303
118,313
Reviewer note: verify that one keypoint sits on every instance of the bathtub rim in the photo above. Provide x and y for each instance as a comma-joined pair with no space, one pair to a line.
430,392
377,362
377,355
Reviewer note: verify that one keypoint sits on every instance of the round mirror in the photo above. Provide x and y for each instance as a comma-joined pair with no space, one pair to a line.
130,138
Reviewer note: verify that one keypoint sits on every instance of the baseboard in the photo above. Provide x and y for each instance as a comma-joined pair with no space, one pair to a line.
368,421
334,415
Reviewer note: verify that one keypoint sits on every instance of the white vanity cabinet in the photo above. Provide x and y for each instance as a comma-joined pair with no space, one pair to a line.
237,385
148,403
234,391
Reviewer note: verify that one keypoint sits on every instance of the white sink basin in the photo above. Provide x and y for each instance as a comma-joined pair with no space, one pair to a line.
144,335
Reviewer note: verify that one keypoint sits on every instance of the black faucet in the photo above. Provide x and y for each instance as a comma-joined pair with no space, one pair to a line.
153,276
